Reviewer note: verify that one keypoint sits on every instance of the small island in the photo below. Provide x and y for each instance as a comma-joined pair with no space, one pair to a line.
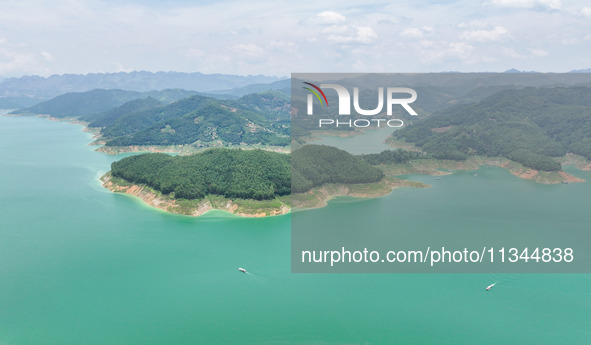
253,183
244,182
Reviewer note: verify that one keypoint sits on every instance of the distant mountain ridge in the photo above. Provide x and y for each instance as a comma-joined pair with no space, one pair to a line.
40,88
83,104
282,85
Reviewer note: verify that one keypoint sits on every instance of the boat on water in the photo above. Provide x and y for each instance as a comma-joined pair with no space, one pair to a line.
241,270
490,286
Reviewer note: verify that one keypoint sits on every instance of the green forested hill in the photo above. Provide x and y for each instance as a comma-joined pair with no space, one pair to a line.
77,104
315,165
132,122
274,105
209,123
202,120
529,125
108,118
247,174
90,105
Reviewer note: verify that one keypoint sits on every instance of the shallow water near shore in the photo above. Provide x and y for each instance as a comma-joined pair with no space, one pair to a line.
82,265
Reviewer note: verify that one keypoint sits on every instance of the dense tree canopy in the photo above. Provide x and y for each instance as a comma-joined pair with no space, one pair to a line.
200,119
529,126
315,165
247,174
107,118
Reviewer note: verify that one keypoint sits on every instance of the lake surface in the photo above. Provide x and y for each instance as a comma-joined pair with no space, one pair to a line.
372,141
81,265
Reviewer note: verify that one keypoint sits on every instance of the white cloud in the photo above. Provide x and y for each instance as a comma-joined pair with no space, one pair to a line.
451,51
416,32
251,50
335,29
473,24
47,56
538,52
328,17
498,33
388,19
570,40
545,4
355,34
426,43
412,32
14,60
461,49
192,52
586,11
510,52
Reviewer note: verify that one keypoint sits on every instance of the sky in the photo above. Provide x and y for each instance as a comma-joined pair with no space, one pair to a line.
281,37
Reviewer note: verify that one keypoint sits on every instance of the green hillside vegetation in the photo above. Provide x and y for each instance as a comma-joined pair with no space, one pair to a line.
132,122
274,105
315,165
108,118
531,126
200,120
246,174
252,174
91,105
77,104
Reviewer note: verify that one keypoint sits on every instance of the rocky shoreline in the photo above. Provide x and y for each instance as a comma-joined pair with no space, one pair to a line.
193,207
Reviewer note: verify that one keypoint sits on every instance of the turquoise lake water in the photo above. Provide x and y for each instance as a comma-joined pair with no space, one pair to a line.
81,265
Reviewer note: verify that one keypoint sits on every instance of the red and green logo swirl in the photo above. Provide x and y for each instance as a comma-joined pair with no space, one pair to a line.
316,93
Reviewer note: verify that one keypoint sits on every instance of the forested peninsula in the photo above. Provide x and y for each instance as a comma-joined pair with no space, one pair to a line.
251,182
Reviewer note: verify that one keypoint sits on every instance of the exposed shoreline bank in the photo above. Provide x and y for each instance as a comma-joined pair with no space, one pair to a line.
431,166
239,207
315,198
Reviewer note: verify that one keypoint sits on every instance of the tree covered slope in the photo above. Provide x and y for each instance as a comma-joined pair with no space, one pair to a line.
315,165
530,126
248,174
203,120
